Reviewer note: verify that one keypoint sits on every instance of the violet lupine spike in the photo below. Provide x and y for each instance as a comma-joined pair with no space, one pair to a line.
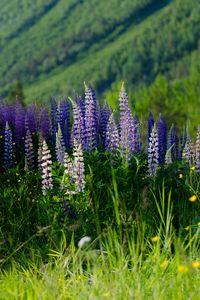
79,169
39,160
90,120
19,122
126,124
44,123
78,130
162,138
153,153
30,120
46,163
150,124
197,151
64,120
8,150
104,115
60,146
134,134
54,120
112,142
29,152
183,139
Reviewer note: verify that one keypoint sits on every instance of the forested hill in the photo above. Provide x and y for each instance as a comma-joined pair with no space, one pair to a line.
52,46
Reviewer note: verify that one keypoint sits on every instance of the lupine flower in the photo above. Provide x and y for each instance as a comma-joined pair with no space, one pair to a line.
153,152
134,134
29,152
8,147
40,142
197,151
162,139
126,125
78,130
47,182
189,152
44,123
19,122
90,120
112,136
150,124
67,184
54,120
63,118
104,114
60,146
79,169
30,120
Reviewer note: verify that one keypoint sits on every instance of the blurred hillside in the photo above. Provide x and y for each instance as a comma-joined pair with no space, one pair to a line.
52,46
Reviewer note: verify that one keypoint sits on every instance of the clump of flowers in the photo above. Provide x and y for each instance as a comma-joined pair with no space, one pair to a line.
8,147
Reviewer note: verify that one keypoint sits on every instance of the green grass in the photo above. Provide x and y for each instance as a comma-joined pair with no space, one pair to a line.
144,234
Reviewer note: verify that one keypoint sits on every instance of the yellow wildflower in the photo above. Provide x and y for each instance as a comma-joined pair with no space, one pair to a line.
193,198
183,269
198,223
155,239
164,264
180,176
196,264
192,168
187,228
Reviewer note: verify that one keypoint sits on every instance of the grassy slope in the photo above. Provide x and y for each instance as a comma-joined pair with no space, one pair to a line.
58,47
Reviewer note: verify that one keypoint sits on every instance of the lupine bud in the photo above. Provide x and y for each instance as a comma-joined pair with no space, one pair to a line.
60,146
150,124
153,152
30,119
103,118
112,136
197,151
54,120
8,147
44,123
64,120
90,120
29,152
172,143
47,182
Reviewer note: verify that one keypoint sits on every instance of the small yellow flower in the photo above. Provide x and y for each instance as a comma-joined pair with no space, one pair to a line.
192,168
198,223
183,269
193,198
180,176
196,264
105,295
187,228
164,264
155,239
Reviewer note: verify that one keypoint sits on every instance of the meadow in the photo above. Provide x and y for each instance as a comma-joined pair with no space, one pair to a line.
95,204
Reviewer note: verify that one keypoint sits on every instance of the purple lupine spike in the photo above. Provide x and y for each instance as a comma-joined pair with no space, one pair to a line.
183,139
112,142
90,120
54,120
8,147
64,120
162,138
78,130
79,169
44,123
197,151
19,122
150,124
29,152
134,134
153,152
172,143
30,121
104,115
2,114
39,157
47,181
60,146
126,124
